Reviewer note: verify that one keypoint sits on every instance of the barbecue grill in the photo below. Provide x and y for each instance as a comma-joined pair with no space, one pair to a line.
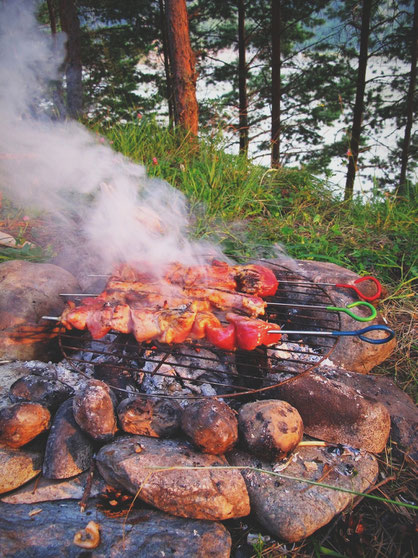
241,372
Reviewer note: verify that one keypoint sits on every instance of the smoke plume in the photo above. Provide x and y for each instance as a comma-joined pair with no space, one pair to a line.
102,204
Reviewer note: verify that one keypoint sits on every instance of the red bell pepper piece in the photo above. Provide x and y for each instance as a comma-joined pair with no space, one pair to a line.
250,332
222,337
268,281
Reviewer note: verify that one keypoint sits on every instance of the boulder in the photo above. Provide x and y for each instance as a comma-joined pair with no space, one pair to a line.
93,409
149,416
292,509
22,422
29,291
47,531
46,490
186,490
382,389
10,372
335,412
46,391
270,428
119,379
69,451
211,425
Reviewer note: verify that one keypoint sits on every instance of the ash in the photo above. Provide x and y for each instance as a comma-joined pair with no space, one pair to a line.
188,371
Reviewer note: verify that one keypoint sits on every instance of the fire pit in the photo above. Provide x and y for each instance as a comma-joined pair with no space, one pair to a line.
230,374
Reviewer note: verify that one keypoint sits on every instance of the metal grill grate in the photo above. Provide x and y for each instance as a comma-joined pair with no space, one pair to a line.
228,374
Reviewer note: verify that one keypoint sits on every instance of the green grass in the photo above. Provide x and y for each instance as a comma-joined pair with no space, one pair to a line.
250,209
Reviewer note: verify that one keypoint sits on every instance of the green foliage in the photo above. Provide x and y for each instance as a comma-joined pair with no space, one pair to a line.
251,210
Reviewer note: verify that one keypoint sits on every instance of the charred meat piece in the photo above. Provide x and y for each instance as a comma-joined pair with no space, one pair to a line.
227,300
256,279
219,275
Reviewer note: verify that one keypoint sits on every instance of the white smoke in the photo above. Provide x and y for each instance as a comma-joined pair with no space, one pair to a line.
106,206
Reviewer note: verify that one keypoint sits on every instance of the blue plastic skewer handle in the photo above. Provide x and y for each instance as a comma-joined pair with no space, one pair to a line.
360,333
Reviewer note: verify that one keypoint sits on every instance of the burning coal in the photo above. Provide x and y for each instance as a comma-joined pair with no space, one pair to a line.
101,200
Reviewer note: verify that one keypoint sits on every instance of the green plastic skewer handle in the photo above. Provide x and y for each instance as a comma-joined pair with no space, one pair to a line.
356,316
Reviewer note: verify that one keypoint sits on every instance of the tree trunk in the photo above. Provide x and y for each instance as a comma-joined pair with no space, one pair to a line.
73,69
182,64
52,18
57,92
409,105
167,69
359,103
276,93
242,81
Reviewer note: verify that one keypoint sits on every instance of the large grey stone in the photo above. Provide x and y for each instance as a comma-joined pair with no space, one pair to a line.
186,489
292,509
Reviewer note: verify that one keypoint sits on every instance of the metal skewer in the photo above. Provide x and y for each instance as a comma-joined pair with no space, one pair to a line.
334,308
346,310
360,333
78,295
343,285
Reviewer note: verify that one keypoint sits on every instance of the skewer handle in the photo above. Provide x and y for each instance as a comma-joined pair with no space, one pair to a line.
360,333
359,293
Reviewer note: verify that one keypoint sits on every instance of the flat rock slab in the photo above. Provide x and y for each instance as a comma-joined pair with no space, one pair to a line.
336,412
292,510
147,533
18,466
131,463
29,291
350,353
46,490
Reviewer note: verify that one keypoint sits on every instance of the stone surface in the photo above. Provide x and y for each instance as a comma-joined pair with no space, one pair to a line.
29,291
45,490
119,379
68,450
149,416
131,463
401,408
211,425
270,429
350,353
9,373
18,466
292,510
335,412
22,422
47,391
49,532
93,409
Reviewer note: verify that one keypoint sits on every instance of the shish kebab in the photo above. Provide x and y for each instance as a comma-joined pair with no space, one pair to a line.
130,306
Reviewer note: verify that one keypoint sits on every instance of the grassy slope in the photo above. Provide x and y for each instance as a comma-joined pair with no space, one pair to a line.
250,210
